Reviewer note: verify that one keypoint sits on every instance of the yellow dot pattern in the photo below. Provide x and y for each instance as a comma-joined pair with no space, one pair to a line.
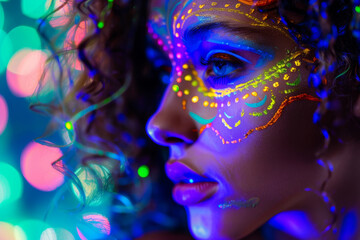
195,99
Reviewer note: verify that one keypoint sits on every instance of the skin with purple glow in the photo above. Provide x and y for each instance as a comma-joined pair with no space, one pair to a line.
237,117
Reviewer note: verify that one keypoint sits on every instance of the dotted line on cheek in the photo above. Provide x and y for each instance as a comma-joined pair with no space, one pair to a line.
272,121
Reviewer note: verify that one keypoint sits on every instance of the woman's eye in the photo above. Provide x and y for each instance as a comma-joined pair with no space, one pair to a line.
223,69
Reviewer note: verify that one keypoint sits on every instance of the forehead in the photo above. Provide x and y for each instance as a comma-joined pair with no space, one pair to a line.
186,13
171,5
246,2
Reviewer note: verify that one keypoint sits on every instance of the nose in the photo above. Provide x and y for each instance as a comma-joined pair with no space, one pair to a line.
172,124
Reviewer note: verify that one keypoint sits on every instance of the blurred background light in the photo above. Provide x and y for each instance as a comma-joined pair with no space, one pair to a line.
7,231
4,114
73,38
10,232
19,233
5,49
56,234
11,185
24,71
1,17
143,171
36,160
62,16
34,8
22,59
95,226
33,228
15,41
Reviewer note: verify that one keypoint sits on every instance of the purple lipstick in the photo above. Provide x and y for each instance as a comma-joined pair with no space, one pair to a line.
190,187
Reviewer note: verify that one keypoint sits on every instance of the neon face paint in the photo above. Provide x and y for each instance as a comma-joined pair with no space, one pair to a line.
212,66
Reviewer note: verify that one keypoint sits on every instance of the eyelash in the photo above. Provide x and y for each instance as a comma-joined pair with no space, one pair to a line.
229,61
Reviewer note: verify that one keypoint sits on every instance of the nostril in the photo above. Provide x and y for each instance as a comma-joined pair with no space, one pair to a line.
172,127
167,137
179,139
173,140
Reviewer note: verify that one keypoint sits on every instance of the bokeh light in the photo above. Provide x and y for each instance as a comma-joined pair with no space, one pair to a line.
15,41
33,228
11,185
56,234
24,71
92,179
1,17
7,231
10,232
82,237
36,160
95,226
143,171
34,8
22,58
73,38
5,49
4,114
62,16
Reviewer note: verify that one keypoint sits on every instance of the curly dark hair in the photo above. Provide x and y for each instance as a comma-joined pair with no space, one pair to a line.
104,109
113,54
331,29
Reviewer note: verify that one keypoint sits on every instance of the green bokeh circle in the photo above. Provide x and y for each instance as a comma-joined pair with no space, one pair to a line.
1,17
5,49
34,8
11,184
33,228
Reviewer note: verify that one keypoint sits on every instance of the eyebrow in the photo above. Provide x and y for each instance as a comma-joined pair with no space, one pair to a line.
200,32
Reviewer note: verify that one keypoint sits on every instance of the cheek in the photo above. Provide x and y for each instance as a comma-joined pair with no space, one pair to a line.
274,166
259,103
188,86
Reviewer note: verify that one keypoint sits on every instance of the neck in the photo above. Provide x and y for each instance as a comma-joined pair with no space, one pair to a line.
311,218
344,189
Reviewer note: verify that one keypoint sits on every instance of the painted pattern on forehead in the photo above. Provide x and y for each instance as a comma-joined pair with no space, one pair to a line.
209,8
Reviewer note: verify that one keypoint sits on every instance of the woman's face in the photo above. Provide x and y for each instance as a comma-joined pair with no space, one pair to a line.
237,115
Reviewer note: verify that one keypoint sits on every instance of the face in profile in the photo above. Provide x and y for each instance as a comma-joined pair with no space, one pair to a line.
237,115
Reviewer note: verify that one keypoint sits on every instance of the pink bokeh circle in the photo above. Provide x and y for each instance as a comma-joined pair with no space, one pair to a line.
24,71
36,160
4,114
62,16
74,37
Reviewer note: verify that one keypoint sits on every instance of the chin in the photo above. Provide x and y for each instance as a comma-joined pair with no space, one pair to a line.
212,223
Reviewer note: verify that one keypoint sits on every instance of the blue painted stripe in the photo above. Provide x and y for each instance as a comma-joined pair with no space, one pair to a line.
201,120
256,105
227,115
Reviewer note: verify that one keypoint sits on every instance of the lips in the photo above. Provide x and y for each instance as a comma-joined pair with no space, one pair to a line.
190,187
